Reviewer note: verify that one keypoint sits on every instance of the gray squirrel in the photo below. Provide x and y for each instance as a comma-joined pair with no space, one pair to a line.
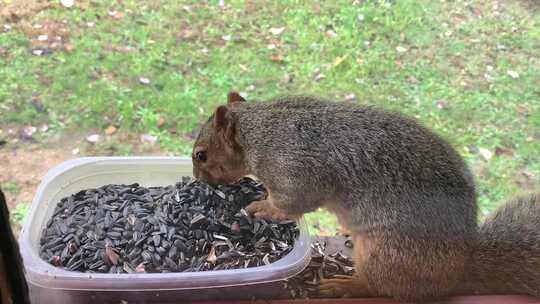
404,194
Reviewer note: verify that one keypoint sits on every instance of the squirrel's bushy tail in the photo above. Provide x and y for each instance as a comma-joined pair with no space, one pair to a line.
506,257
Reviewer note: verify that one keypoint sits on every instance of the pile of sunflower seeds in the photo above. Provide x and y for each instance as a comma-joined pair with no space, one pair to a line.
322,265
189,226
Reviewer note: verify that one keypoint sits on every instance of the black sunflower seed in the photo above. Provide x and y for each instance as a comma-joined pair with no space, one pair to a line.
129,228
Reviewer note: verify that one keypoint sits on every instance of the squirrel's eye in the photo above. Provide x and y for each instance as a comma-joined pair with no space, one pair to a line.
200,156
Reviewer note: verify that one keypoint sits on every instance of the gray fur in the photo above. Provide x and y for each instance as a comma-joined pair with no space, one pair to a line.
396,186
395,180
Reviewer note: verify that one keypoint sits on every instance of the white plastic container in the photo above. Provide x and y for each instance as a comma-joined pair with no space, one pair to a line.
49,284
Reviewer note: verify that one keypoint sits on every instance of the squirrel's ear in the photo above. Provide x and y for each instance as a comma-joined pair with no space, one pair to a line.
221,118
234,97
223,123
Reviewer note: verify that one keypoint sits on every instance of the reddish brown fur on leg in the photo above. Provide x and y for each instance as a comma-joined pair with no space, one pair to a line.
345,287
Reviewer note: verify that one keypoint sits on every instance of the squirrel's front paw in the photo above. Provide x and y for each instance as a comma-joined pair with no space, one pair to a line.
265,210
256,206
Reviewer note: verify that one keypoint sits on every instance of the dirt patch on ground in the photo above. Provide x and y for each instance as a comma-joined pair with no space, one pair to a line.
15,10
25,168
47,36
21,171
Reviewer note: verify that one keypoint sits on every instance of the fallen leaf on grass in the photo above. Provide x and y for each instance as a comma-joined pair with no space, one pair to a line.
110,130
486,154
319,77
244,68
350,97
116,15
331,34
148,139
442,104
521,109
160,122
527,174
67,3
413,79
144,80
69,47
276,30
513,74
93,138
401,49
187,34
504,151
122,49
287,78
276,58
339,60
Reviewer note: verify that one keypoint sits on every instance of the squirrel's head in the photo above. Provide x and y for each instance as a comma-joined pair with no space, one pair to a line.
217,157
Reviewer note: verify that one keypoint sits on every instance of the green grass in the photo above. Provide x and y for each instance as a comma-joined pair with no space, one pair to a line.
11,187
322,222
453,76
19,213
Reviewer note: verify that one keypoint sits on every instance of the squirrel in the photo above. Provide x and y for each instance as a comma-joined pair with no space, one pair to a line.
405,195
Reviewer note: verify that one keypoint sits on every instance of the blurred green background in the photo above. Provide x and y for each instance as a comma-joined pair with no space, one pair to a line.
137,77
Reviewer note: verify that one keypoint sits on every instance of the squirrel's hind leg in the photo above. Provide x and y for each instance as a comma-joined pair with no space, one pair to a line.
355,286
341,286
